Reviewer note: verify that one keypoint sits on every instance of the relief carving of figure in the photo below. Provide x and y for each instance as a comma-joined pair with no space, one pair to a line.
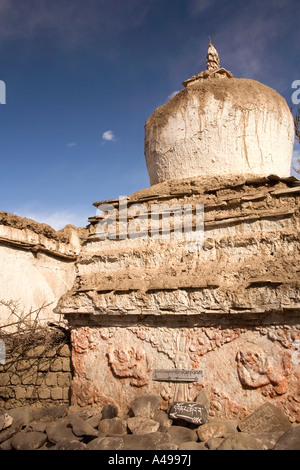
286,337
130,362
256,369
85,339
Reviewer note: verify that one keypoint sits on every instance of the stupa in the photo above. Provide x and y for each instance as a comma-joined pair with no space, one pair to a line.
160,312
220,125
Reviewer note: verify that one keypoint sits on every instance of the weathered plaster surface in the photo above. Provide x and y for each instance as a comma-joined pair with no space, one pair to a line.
37,266
220,127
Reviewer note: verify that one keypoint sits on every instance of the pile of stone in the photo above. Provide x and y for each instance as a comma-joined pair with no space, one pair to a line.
145,427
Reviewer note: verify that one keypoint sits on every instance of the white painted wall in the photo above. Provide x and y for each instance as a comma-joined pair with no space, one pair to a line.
32,279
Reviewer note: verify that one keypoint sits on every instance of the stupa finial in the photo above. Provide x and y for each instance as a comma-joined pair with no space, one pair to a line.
212,58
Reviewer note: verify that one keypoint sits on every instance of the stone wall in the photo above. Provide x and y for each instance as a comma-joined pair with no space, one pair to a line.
37,369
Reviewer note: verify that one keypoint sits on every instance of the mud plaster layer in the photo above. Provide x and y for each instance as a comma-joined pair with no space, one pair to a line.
23,223
249,261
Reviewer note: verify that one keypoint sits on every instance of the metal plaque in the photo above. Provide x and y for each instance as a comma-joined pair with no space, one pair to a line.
178,375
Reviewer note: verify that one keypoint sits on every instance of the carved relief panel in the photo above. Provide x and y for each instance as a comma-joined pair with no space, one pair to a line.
242,366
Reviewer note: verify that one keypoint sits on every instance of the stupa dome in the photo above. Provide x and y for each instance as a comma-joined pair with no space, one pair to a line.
219,125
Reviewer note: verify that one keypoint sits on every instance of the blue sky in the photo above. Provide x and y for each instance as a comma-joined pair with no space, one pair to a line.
82,77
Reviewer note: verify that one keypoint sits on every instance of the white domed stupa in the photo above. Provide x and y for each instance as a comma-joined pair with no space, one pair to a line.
219,125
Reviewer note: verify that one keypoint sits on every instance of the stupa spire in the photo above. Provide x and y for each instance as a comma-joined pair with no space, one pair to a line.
212,58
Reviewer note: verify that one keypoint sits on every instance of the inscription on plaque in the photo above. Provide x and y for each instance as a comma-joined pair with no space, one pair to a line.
178,375
189,411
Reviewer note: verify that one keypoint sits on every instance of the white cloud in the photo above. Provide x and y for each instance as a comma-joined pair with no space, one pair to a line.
71,144
173,94
108,136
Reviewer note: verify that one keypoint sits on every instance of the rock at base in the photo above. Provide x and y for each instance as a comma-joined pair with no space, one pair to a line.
58,430
146,405
11,430
267,418
162,418
65,444
210,430
145,441
290,440
166,446
115,426
5,420
241,441
81,427
140,425
180,434
28,440
191,412
106,443
192,445
109,411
